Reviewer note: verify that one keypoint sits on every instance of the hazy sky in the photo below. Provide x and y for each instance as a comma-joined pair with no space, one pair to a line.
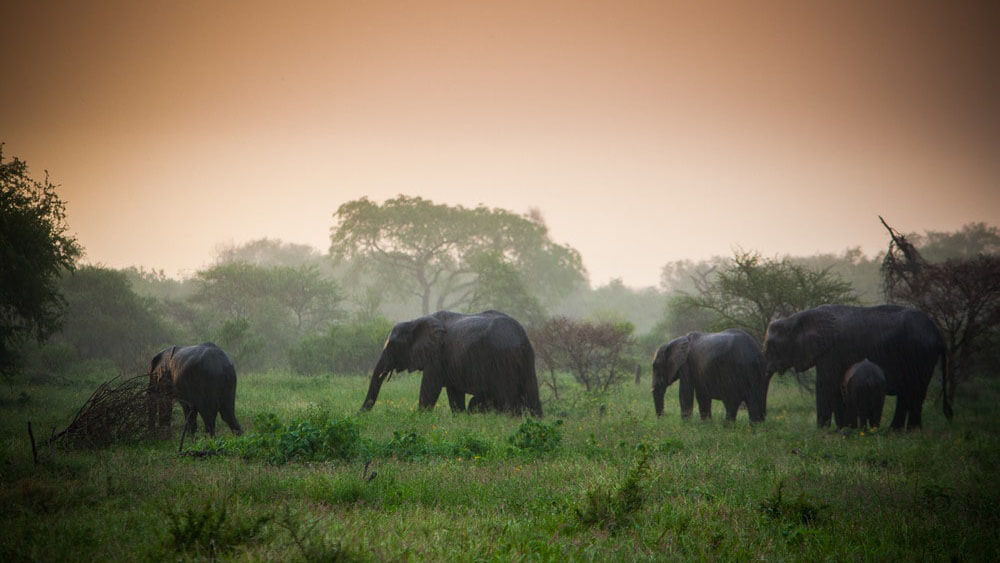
645,132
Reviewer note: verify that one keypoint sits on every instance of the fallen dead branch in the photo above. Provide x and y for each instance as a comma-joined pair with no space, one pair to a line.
115,412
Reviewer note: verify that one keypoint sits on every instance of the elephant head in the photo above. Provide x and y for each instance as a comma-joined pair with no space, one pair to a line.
411,346
669,365
160,376
798,341
160,391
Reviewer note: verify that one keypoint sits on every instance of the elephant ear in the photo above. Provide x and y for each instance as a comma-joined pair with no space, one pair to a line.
678,359
425,349
815,333
161,357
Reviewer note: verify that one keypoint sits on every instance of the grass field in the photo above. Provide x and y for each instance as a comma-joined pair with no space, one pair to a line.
608,482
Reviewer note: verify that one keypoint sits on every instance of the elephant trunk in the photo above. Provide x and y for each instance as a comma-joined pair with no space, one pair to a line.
379,375
658,393
767,387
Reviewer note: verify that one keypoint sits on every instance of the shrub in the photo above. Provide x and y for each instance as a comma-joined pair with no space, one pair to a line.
536,437
313,546
800,510
612,510
343,349
210,530
314,438
408,446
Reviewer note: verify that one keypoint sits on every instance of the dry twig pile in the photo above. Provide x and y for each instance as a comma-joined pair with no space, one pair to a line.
115,412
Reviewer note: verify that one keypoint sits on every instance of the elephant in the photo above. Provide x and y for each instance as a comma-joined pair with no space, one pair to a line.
481,403
487,355
202,378
904,342
863,389
725,365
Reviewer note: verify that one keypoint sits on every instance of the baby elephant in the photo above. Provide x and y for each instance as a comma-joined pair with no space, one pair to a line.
863,389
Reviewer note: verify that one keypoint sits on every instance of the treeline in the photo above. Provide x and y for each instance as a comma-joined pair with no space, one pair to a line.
278,305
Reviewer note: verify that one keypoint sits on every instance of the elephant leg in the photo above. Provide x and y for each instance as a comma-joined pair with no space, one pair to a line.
456,399
477,404
732,407
916,408
756,409
825,400
851,410
208,415
899,417
704,406
686,399
190,418
430,390
840,417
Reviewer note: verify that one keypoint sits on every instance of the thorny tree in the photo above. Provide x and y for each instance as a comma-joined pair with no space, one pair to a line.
751,291
961,294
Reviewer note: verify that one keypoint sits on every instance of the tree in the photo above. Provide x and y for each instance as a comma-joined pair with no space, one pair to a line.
499,286
429,250
970,241
264,310
751,291
106,319
961,294
641,306
35,250
344,349
596,353
268,252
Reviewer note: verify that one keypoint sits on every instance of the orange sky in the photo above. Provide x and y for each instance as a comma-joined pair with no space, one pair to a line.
644,131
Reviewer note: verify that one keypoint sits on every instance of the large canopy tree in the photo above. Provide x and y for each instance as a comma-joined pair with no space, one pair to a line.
35,250
435,251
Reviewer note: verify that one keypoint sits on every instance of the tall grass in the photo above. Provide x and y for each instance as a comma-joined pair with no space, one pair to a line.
438,486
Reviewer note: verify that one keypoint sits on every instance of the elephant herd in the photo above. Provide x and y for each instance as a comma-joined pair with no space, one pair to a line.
861,354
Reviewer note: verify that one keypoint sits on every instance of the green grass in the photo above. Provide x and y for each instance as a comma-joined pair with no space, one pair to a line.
491,487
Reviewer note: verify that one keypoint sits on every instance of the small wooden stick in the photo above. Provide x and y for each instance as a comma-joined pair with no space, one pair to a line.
34,450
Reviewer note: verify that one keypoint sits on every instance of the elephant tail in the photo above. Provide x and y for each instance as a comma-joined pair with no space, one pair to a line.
948,413
530,392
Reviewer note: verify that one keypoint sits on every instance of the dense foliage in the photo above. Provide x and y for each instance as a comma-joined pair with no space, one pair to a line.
349,348
106,319
961,294
751,291
35,250
430,251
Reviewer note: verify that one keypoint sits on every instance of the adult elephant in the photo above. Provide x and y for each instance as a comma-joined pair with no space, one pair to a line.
904,342
202,378
487,355
724,365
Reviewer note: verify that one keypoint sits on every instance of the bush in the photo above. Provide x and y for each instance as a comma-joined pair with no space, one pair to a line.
343,349
210,530
536,437
612,510
314,438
